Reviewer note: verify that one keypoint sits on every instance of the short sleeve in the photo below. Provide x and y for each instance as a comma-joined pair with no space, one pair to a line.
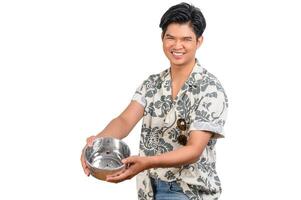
211,112
139,94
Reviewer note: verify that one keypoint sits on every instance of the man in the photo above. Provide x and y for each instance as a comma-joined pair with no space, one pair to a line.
183,109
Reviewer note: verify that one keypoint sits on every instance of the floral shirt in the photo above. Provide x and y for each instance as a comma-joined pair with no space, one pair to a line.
202,104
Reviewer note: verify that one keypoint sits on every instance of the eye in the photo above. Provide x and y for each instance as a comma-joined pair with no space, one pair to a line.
169,37
188,39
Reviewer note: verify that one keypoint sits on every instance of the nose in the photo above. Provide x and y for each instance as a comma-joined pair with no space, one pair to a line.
177,44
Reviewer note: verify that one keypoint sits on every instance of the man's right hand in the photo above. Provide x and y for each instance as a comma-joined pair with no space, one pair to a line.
84,164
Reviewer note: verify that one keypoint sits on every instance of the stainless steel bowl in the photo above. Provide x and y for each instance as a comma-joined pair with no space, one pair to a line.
105,155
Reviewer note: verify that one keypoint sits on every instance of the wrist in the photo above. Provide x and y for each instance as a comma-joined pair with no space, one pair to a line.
152,162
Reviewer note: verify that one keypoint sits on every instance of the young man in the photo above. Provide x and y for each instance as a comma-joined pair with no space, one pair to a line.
184,110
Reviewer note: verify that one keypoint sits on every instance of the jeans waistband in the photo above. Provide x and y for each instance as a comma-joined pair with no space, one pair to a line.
158,183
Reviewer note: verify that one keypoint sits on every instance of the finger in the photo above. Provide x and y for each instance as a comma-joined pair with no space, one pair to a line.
86,169
84,165
90,140
119,178
129,160
116,174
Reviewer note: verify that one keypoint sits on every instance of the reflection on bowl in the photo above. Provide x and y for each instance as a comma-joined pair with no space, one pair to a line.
105,155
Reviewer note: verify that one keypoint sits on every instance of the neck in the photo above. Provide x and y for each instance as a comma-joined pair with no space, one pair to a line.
181,72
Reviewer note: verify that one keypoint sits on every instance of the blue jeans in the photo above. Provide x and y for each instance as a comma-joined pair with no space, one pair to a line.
167,190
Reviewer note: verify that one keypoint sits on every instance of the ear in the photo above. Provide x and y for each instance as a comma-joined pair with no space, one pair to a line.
199,41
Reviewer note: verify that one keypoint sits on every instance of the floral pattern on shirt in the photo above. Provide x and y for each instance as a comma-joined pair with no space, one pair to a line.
203,104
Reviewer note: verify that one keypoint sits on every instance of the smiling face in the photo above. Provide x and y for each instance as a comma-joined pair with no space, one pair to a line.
180,44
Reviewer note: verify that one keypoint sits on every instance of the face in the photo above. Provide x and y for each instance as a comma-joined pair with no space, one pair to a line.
180,44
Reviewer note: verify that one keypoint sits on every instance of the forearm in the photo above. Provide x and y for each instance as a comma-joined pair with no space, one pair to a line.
182,156
188,154
117,128
137,164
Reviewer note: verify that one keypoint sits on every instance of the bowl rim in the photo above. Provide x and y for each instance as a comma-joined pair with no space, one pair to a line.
104,169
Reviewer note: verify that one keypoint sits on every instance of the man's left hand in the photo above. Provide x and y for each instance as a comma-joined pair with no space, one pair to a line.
136,164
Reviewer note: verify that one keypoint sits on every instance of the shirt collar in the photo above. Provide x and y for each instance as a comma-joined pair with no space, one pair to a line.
190,83
193,77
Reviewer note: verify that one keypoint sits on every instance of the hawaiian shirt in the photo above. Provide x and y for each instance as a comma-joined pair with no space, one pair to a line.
203,104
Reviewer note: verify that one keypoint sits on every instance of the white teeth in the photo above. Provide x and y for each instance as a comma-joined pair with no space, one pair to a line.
177,53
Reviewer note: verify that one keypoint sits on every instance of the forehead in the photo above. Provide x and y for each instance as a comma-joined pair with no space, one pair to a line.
180,30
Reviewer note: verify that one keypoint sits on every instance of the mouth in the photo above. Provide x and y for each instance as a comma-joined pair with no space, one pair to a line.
177,53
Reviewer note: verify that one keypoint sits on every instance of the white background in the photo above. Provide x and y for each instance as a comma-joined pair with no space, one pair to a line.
68,67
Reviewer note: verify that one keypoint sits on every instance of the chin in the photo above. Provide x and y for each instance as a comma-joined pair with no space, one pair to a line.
178,62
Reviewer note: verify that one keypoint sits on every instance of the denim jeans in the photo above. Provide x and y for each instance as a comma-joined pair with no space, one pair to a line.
167,190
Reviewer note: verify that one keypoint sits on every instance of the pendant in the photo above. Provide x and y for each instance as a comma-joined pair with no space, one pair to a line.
182,139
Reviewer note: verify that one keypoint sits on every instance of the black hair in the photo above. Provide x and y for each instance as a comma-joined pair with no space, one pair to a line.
184,13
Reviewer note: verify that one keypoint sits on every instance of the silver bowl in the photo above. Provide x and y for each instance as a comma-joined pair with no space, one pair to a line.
104,156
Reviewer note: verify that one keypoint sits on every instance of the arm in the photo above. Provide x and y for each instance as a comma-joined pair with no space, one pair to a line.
118,127
188,154
121,126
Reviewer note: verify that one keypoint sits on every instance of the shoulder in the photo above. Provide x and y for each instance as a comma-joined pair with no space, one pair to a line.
155,79
210,87
209,82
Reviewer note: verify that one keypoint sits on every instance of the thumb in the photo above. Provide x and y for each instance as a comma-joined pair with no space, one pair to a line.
90,140
128,160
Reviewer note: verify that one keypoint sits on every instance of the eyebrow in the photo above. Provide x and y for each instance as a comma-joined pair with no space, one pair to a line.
168,35
187,37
